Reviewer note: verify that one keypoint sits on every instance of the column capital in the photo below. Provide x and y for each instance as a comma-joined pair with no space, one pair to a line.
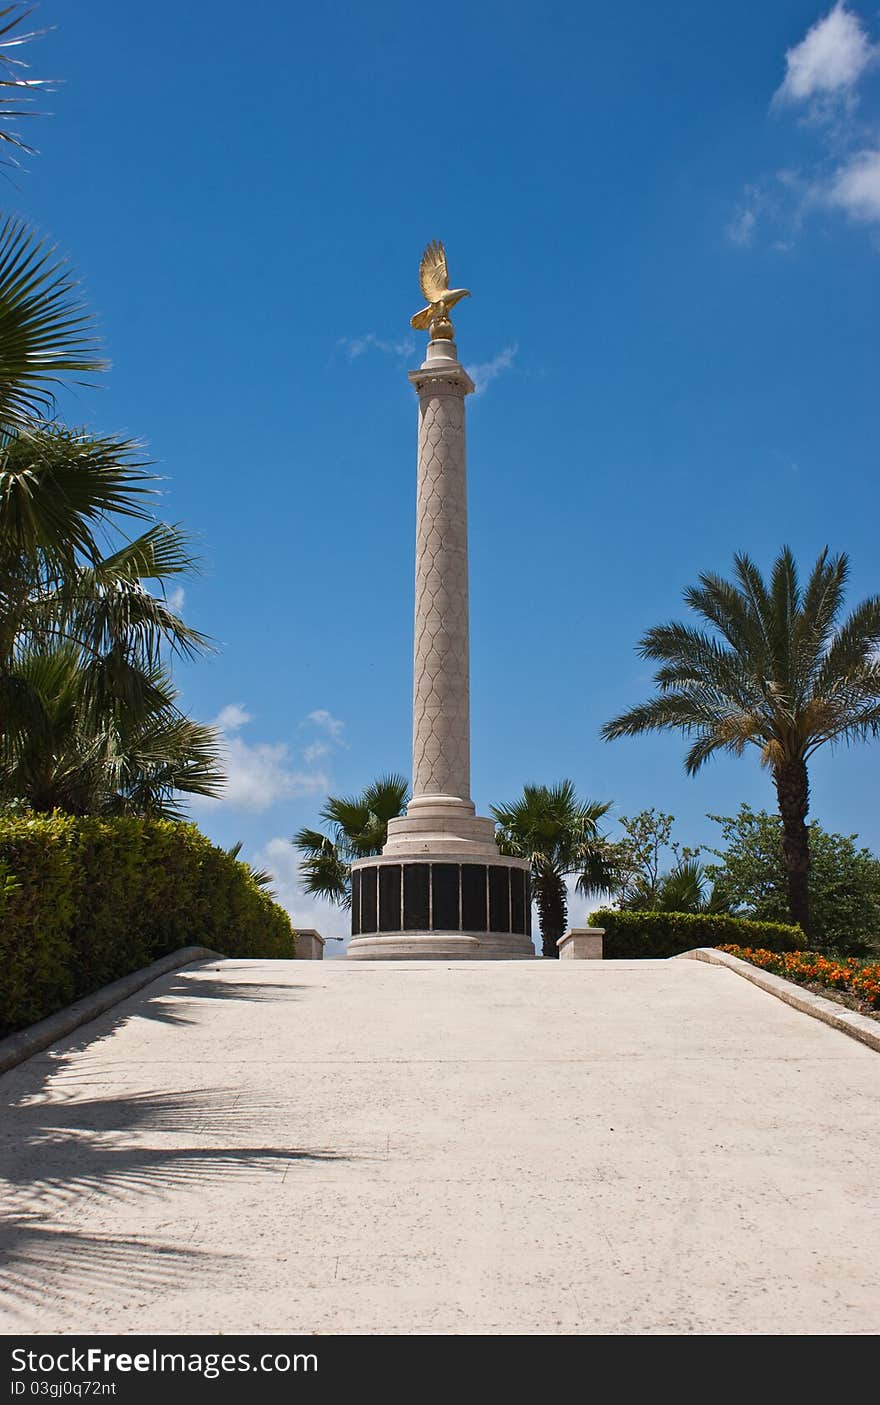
441,372
450,380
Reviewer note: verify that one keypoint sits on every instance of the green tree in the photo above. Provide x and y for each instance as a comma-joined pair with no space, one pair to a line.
844,879
83,690
119,758
46,332
775,669
17,91
559,834
358,830
646,886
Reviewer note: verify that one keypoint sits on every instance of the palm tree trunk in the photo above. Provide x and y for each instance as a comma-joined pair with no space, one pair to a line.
793,793
551,900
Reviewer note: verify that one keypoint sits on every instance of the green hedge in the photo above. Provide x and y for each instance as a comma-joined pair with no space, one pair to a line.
84,901
632,935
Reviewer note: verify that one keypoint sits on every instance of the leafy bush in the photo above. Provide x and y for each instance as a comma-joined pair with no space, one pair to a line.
634,935
84,901
844,880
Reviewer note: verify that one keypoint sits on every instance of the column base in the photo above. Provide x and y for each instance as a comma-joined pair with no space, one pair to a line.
433,903
440,946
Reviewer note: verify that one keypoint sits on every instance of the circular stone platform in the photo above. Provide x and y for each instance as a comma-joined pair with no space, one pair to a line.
415,910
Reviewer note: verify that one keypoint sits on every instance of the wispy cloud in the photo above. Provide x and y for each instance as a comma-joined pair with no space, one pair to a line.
823,74
855,186
258,774
485,372
369,341
315,750
325,720
175,599
829,60
743,224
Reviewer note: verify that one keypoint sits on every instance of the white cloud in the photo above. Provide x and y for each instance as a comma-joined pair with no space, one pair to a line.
258,774
741,229
485,372
175,598
315,751
327,723
282,860
231,718
829,60
823,72
855,186
356,346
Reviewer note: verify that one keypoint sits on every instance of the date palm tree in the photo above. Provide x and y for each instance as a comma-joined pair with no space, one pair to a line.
358,829
771,666
559,835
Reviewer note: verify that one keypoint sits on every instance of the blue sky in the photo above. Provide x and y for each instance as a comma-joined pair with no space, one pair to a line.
669,217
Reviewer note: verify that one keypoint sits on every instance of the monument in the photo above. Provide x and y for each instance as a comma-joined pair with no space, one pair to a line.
440,888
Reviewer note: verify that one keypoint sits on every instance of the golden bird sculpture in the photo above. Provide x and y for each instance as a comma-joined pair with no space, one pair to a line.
434,278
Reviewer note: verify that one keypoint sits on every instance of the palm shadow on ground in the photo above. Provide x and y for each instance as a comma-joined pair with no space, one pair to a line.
72,1133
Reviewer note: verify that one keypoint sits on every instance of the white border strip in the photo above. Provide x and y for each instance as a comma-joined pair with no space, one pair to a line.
15,1048
847,1021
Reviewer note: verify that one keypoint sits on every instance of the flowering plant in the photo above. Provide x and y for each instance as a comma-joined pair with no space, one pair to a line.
847,973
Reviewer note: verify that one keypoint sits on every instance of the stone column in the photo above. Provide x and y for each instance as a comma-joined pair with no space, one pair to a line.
440,889
441,665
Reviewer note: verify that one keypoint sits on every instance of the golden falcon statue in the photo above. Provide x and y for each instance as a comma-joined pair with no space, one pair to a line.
434,278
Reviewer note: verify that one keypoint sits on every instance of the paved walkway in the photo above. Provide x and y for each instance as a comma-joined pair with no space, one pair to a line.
535,1147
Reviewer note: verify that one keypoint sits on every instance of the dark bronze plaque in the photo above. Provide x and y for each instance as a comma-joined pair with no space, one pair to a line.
368,900
416,917
444,883
389,898
518,900
499,899
355,903
473,897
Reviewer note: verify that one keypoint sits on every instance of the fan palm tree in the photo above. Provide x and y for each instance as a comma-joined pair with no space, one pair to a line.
682,889
16,90
45,329
775,669
59,492
88,717
46,332
119,758
559,835
358,829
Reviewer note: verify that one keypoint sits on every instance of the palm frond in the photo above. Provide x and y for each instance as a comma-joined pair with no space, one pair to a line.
46,333
59,486
16,90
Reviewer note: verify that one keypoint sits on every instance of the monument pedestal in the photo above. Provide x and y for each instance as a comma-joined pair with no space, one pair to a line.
440,890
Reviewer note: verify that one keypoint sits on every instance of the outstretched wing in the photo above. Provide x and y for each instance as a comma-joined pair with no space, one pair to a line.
433,274
422,320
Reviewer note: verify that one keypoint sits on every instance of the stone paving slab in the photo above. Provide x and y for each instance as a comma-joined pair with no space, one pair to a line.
510,1148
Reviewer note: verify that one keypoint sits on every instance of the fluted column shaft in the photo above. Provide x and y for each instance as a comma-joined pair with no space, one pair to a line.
441,668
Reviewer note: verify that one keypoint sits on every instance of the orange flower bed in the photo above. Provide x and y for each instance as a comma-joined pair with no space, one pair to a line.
860,978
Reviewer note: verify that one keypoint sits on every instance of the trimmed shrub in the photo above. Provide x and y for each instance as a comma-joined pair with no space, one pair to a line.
633,935
84,901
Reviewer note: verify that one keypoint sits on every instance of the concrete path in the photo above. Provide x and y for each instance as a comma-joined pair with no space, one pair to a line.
523,1147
